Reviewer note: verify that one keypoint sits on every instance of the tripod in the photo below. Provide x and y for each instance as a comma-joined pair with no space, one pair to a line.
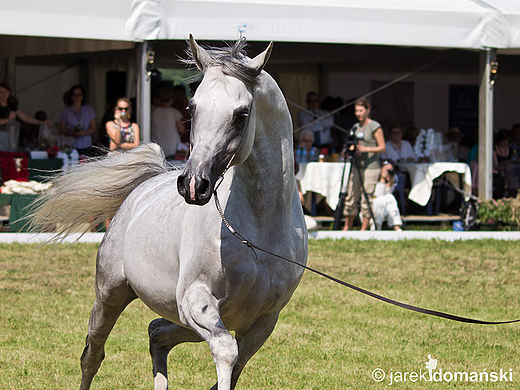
353,160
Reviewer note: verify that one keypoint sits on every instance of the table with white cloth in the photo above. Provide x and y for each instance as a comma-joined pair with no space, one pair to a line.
324,178
423,175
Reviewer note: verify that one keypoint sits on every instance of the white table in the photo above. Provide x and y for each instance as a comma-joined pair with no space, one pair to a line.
422,176
324,178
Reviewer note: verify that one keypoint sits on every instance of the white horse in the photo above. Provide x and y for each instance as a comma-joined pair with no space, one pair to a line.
174,252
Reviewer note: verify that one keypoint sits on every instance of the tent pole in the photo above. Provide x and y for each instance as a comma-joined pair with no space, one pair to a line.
485,125
144,92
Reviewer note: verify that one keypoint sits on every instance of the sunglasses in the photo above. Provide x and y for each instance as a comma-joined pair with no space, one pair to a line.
123,108
313,100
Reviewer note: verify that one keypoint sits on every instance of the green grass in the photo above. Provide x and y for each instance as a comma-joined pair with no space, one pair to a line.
328,337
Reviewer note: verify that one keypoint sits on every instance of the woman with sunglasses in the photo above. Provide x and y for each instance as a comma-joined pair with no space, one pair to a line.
123,134
78,120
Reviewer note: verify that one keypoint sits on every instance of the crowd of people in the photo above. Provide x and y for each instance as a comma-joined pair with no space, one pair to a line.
75,127
324,128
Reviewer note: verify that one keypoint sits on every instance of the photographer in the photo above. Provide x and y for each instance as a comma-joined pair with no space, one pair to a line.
384,203
371,142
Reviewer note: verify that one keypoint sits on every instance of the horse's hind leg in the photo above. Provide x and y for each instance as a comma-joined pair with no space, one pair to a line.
110,303
164,335
201,312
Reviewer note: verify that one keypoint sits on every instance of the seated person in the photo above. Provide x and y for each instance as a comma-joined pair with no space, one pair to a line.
305,152
398,149
321,128
384,204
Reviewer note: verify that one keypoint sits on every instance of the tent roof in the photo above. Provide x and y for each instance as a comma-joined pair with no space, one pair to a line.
467,24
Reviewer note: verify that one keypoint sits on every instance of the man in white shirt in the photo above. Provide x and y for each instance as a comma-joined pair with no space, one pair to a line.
321,128
397,149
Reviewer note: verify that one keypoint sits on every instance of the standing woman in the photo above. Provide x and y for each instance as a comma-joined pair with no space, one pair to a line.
123,134
370,145
78,120
9,111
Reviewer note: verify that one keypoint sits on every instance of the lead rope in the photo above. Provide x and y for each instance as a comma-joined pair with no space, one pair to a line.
252,246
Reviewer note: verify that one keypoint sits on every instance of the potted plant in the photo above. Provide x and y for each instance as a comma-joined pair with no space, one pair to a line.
491,212
511,217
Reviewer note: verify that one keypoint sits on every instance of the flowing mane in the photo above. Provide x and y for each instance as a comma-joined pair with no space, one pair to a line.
233,60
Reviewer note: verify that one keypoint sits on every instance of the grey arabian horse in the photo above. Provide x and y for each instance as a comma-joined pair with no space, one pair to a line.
174,252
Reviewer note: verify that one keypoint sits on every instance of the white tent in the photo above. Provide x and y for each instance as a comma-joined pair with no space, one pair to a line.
442,23
465,24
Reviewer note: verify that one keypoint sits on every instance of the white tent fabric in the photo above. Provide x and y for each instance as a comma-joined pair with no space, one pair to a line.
469,24
93,19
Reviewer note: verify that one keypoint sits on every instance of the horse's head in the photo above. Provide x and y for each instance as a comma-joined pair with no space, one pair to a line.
222,109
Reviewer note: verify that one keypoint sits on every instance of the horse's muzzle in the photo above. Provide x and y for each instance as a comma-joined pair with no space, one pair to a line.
194,189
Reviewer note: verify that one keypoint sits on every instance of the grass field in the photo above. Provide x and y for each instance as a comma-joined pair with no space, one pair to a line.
328,337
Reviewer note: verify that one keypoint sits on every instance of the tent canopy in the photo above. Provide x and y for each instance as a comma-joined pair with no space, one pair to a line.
440,23
467,24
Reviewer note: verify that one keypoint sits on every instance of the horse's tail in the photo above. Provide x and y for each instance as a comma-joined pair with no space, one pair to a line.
89,193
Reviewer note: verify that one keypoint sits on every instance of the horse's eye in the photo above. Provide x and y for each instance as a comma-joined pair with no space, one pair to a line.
241,114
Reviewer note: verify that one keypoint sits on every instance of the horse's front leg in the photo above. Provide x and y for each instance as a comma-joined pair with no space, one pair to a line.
250,341
200,311
164,335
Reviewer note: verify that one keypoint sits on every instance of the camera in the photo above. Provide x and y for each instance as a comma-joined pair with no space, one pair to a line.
352,138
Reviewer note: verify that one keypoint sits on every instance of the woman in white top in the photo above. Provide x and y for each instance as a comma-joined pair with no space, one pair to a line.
167,125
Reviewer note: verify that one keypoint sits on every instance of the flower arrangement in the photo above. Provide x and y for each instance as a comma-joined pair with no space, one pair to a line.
505,210
426,142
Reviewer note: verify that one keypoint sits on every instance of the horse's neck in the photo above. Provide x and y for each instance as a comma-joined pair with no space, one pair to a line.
269,170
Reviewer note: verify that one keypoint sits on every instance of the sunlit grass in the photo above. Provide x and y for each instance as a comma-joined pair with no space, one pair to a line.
328,337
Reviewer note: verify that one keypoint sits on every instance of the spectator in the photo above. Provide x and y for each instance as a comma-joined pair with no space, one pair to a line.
78,120
384,204
123,134
502,154
398,149
305,152
167,125
371,144
514,142
9,113
320,128
460,153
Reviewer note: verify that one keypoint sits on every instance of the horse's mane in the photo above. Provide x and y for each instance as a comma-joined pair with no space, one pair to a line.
232,59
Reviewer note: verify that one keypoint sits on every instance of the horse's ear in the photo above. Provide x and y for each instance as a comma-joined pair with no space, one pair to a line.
200,55
260,60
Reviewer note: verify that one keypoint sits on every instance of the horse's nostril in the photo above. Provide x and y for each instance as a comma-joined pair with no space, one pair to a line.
181,186
204,187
